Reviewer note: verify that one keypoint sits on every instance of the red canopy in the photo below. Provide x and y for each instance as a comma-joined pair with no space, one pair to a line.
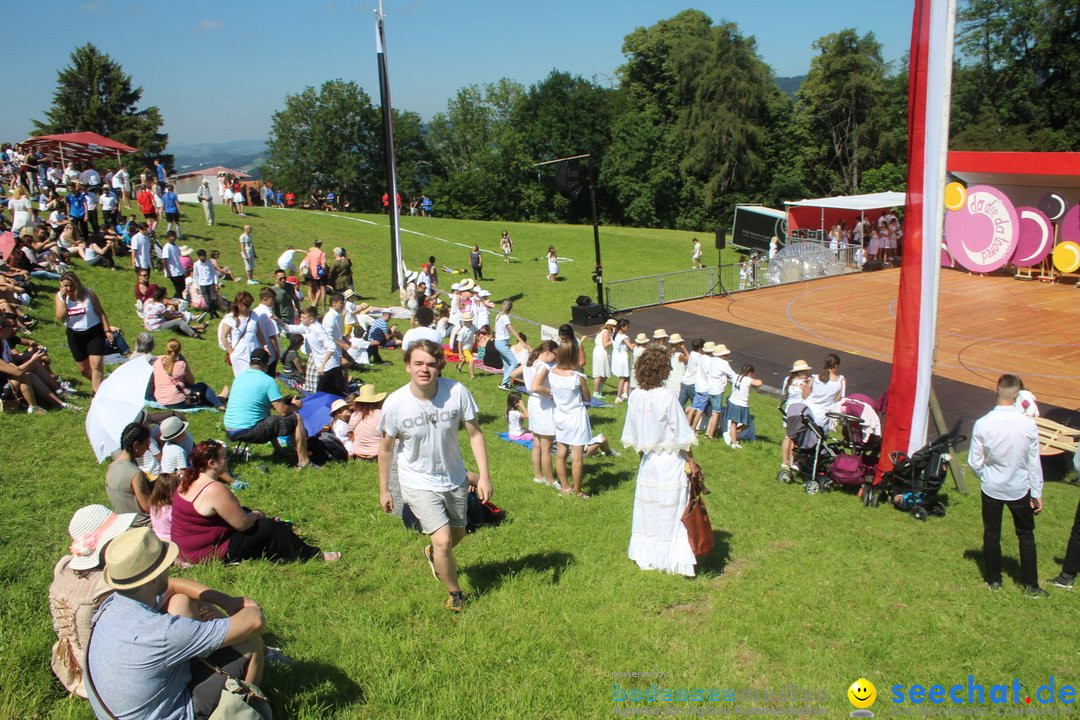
77,146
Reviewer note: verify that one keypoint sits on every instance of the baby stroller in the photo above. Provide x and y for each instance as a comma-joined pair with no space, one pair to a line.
914,482
821,464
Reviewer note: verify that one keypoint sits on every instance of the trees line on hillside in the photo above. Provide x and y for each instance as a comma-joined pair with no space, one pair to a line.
694,124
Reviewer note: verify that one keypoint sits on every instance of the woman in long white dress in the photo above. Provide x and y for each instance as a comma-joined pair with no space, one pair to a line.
620,363
570,391
20,208
553,264
601,361
239,332
541,409
656,427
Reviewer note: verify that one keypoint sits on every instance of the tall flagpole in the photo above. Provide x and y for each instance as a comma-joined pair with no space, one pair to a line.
929,91
396,269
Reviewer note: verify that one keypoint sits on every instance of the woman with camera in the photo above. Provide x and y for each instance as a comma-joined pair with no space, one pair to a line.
88,329
174,382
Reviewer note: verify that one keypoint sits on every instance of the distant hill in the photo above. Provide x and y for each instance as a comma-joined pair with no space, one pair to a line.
246,155
790,84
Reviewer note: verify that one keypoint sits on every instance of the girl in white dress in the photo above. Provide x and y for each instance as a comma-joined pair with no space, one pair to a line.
639,347
239,332
794,391
553,264
620,363
601,361
541,409
570,391
656,427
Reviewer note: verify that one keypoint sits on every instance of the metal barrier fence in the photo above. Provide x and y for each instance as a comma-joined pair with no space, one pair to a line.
664,288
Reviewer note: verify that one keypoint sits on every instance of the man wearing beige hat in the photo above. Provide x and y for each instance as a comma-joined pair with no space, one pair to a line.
143,661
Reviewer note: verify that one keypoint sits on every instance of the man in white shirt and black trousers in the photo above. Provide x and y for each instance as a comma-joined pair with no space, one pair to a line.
1004,453
425,417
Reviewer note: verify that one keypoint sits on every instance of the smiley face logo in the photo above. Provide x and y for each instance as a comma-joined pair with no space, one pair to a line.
862,695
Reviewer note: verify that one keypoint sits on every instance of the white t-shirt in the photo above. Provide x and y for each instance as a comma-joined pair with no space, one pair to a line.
170,256
502,327
513,423
719,373
140,248
420,333
173,458
204,273
690,376
740,391
466,336
267,324
286,261
429,454
148,462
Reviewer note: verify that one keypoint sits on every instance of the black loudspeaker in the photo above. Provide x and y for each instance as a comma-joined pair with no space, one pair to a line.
587,314
721,238
583,300
568,180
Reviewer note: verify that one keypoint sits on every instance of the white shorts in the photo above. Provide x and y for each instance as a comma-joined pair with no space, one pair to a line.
435,509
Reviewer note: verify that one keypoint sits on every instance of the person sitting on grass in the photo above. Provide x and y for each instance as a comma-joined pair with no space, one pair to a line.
364,423
209,522
28,373
126,485
161,504
292,367
157,315
145,649
174,382
382,335
248,418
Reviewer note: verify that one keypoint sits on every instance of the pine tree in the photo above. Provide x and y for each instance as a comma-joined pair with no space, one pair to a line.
94,94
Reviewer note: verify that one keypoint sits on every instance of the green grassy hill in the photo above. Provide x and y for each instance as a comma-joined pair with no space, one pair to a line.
810,592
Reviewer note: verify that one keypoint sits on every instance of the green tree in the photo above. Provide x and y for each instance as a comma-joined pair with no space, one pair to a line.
328,139
560,116
94,94
471,149
840,105
1058,63
728,105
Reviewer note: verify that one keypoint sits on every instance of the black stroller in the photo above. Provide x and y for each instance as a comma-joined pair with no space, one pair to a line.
814,455
914,483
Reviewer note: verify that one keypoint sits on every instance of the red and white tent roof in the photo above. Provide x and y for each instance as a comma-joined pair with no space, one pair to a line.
77,146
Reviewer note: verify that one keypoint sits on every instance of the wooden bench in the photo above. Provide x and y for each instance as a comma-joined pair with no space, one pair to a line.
1055,438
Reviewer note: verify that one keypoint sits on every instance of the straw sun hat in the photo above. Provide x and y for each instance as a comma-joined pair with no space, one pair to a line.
799,366
675,338
641,338
720,350
708,347
136,558
659,334
367,394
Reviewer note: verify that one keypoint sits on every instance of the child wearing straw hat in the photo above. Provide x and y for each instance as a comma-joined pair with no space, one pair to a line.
466,338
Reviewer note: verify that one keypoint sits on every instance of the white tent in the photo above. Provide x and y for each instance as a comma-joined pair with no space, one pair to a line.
820,213
858,203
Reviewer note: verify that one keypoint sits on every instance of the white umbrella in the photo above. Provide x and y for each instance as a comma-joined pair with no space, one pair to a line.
118,400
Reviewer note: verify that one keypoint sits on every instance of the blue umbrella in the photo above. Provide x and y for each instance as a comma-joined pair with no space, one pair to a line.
315,412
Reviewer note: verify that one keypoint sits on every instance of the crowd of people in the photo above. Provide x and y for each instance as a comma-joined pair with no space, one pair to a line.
170,500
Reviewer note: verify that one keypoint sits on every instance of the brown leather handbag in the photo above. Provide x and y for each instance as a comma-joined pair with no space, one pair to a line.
696,517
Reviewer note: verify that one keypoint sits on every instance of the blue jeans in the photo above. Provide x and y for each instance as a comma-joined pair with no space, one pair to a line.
509,361
44,275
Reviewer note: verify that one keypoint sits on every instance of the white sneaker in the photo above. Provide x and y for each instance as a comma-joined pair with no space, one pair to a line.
737,446
618,400
727,440
540,481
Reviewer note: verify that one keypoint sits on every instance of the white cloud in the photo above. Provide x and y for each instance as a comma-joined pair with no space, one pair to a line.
209,25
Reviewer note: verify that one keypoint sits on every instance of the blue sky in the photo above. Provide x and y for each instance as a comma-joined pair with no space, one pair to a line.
219,70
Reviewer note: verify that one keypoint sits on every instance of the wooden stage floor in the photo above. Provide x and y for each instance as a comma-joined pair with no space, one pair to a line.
986,325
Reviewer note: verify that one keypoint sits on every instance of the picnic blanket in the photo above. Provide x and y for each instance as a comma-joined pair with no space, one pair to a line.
199,408
524,443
